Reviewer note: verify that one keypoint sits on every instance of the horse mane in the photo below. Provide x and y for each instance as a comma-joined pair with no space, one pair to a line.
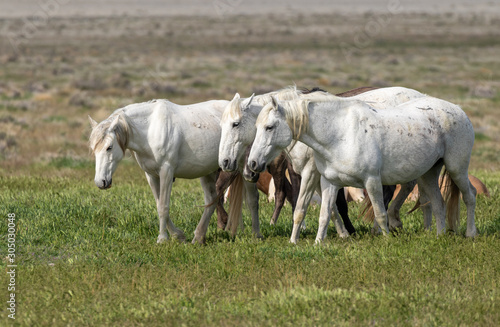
296,111
296,115
305,90
121,130
285,94
233,111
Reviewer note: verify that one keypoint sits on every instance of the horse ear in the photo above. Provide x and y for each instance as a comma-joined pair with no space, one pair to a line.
236,97
247,102
93,123
114,123
274,102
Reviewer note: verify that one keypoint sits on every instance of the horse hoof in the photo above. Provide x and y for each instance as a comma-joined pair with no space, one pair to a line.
162,239
395,226
180,238
396,230
197,240
472,233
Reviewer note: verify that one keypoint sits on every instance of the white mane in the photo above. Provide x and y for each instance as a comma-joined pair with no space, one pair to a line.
285,94
296,111
233,110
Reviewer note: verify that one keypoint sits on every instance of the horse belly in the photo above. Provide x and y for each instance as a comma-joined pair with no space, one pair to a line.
198,156
410,163
337,176
196,166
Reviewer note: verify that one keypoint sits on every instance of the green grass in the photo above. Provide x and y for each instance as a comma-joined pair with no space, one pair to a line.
89,257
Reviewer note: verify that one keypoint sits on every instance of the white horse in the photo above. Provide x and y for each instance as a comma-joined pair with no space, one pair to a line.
357,145
168,141
238,132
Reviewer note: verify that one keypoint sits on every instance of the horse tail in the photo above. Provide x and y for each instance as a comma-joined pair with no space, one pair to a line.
479,186
451,195
235,217
415,207
367,210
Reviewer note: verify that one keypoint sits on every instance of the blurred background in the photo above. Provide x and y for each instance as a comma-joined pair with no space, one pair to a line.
61,60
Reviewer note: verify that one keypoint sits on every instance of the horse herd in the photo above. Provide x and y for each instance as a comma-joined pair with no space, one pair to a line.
367,138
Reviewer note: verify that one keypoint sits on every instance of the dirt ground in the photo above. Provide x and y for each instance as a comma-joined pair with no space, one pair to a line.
92,8
55,68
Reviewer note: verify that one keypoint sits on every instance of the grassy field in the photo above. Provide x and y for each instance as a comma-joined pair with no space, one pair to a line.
89,257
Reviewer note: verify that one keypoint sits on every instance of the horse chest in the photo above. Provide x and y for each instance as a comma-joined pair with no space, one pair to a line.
148,164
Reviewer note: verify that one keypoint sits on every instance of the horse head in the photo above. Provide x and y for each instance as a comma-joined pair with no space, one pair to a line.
108,143
237,132
273,136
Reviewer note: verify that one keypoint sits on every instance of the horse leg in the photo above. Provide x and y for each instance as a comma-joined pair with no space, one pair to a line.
277,170
428,186
469,195
292,188
468,191
343,210
224,179
424,203
210,195
166,180
308,184
252,194
375,191
328,198
221,212
396,204
456,161
154,183
388,191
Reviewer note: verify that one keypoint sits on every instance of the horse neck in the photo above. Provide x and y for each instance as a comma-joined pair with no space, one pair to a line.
254,111
138,119
319,134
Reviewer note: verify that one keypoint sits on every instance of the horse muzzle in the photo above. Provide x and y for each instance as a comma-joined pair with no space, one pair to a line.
250,176
103,184
228,165
256,167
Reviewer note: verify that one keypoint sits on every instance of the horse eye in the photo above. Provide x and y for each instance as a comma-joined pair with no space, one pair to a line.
269,128
236,124
109,148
